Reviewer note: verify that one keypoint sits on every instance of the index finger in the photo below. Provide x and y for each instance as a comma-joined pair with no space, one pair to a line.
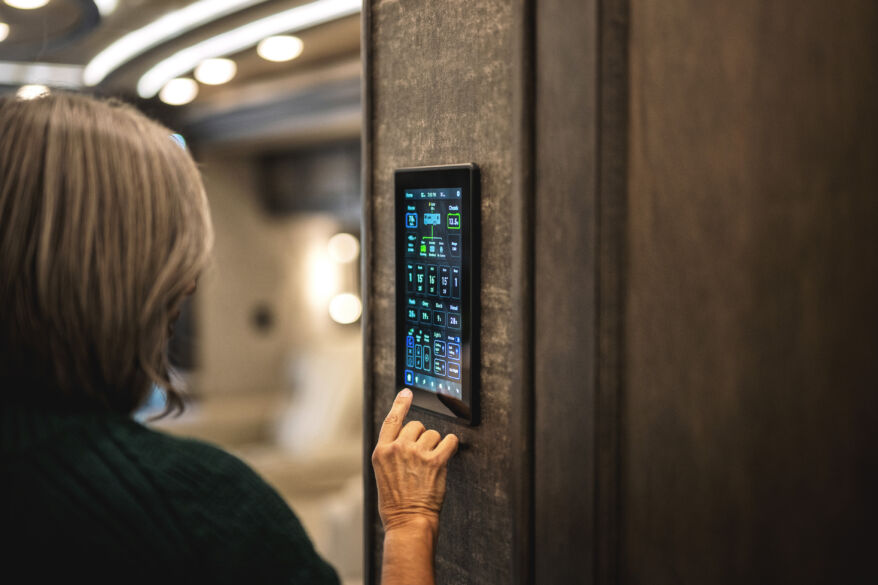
393,420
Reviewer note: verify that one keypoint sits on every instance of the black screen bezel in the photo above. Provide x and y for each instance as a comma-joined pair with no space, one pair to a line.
465,177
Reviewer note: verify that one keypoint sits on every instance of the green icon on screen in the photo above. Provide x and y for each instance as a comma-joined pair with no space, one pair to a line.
454,221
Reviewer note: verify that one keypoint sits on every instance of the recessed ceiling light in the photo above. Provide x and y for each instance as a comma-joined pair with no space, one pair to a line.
244,37
178,92
280,48
215,71
27,4
106,7
4,31
32,92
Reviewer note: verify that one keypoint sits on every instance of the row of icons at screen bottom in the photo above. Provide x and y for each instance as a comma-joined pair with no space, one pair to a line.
431,384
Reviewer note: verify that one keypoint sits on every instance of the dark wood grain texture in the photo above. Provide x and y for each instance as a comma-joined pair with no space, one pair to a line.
751,361
566,290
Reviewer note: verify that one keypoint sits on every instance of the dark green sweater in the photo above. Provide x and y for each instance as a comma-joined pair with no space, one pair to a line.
105,497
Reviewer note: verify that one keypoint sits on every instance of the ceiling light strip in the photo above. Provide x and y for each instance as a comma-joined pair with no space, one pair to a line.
244,37
158,32
18,73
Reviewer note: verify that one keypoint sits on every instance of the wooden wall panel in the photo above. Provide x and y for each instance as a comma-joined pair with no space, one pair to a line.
751,361
444,84
581,156
702,231
566,131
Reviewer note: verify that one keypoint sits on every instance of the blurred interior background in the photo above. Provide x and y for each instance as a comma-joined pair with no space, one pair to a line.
266,95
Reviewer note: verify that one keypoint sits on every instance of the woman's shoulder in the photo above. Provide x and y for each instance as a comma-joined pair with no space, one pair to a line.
235,515
181,465
182,457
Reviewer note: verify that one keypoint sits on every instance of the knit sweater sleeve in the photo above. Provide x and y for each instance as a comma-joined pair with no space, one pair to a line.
239,527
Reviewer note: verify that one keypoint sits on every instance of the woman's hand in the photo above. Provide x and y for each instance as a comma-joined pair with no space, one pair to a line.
409,465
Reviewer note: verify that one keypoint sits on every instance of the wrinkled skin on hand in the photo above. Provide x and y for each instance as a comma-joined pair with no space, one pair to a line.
410,466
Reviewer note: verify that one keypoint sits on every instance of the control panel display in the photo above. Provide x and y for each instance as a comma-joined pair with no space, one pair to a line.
436,287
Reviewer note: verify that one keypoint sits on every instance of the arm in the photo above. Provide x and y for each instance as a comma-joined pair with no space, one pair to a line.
410,466
408,554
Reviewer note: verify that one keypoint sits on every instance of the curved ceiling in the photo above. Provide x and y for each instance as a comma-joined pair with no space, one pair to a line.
72,33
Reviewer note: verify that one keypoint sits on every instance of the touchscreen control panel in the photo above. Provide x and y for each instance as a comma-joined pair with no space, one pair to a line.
433,289
437,287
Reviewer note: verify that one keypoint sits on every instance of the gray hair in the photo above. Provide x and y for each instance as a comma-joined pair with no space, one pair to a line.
104,224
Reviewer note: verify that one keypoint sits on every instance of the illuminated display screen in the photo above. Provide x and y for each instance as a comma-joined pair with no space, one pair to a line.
433,286
434,289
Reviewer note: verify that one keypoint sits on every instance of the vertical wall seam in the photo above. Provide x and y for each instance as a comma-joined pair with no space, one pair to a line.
366,266
612,171
523,288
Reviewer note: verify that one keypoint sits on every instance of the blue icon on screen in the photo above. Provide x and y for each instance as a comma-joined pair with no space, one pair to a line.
432,219
409,376
409,341
411,220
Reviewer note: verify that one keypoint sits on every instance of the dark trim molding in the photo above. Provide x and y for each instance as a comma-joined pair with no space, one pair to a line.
566,112
522,294
613,101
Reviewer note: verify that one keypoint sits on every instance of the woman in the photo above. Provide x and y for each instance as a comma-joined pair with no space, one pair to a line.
104,229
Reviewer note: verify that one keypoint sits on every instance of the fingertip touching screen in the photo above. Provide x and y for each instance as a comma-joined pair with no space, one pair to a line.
437,288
